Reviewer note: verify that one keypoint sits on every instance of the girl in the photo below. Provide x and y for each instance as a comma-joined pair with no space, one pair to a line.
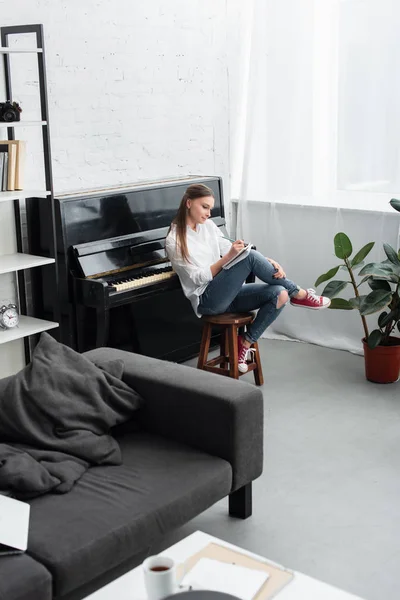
198,251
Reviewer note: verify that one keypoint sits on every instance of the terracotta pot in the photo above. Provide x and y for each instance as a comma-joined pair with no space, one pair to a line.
382,364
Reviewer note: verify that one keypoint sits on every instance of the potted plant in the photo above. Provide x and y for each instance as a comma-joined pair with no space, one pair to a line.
381,347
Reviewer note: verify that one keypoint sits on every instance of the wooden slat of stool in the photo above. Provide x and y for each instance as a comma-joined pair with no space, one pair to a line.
258,374
216,370
233,351
224,348
237,319
205,345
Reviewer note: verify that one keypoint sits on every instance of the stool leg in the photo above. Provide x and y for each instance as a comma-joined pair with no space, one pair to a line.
204,346
224,347
233,352
258,374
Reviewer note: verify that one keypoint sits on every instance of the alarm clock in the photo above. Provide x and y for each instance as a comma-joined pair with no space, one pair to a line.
9,316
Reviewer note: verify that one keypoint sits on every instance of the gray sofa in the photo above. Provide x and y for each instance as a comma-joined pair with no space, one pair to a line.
197,439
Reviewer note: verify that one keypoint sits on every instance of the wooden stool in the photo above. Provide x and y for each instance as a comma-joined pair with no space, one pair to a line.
228,358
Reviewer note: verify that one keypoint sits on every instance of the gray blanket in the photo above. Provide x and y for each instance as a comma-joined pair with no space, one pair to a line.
55,417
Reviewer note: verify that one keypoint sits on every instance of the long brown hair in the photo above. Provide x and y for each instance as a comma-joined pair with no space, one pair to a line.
194,191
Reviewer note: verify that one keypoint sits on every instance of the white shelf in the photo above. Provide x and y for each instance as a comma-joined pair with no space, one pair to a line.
21,124
6,50
27,326
20,195
17,262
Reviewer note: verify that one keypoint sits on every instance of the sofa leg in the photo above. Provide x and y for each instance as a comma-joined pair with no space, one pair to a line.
240,502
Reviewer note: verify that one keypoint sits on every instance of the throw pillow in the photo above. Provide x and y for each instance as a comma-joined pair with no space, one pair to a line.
64,402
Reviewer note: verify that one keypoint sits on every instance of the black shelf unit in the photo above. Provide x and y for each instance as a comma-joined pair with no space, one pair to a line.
24,277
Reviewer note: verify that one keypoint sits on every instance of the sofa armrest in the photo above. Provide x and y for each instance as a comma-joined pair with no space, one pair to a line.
218,415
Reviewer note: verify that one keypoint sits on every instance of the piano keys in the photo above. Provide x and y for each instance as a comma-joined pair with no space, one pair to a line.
141,279
116,286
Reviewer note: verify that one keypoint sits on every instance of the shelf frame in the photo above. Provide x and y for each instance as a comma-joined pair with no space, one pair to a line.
22,195
14,124
24,279
19,261
27,326
5,50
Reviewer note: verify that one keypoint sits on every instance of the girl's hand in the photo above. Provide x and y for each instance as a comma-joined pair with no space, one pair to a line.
235,249
280,273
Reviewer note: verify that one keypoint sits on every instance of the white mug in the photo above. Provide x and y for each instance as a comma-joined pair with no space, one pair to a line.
160,577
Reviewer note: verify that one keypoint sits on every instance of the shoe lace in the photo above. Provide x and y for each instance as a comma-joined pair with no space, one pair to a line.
313,296
242,354
245,353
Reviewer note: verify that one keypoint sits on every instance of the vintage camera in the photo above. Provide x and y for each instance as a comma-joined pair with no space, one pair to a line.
10,111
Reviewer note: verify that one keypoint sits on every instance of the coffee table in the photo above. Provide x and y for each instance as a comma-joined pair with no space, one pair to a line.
131,585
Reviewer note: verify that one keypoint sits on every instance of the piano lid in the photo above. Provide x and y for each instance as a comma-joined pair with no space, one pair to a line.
114,212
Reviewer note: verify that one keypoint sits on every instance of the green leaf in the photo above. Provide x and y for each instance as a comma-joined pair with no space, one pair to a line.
384,318
391,278
343,247
374,339
328,275
388,318
391,254
395,204
384,271
341,304
379,284
359,257
364,280
375,301
355,302
333,288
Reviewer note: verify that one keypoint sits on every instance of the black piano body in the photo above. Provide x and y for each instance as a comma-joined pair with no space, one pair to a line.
115,284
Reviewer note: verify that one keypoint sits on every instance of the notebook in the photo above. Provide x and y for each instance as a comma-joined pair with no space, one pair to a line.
14,525
240,256
278,576
217,576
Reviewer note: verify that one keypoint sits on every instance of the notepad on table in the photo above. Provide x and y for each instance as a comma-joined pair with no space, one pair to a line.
210,574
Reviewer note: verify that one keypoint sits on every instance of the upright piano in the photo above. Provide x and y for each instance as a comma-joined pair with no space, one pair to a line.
116,286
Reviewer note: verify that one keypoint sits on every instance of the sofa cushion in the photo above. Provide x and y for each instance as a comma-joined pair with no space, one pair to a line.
60,408
115,512
22,578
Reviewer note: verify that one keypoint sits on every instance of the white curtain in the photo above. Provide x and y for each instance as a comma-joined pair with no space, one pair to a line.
369,96
315,142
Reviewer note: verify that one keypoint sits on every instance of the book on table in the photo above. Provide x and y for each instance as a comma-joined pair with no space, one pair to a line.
277,576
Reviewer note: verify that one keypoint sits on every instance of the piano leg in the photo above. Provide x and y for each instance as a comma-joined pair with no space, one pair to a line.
80,320
134,336
102,327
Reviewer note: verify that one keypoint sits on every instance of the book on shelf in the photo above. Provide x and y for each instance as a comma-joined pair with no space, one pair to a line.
20,165
2,156
12,164
4,175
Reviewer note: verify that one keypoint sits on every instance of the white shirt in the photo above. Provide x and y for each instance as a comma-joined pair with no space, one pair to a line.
206,245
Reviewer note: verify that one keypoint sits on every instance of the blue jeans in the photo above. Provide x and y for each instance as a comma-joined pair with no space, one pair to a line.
227,292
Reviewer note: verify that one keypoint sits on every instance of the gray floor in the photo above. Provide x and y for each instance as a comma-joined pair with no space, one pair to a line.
328,502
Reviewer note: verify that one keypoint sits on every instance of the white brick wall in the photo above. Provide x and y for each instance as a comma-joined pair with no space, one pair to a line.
137,90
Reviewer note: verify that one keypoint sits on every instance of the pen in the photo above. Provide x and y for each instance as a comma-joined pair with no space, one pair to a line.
231,240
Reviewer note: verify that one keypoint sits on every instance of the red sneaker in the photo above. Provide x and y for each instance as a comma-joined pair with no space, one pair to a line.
243,355
312,300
